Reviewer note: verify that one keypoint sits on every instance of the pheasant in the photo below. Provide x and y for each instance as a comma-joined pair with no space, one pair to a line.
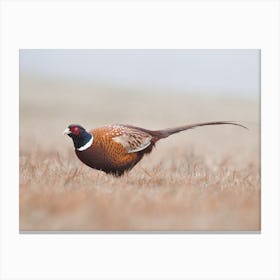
117,148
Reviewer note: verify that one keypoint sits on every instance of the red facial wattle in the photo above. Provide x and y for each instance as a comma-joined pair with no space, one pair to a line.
75,130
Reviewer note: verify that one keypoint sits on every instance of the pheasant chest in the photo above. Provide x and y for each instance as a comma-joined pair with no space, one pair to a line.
106,153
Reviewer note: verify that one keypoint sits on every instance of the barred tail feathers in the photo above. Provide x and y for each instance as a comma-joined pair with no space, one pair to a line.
159,134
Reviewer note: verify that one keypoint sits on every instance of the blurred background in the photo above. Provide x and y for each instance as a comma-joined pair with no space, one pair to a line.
154,89
225,72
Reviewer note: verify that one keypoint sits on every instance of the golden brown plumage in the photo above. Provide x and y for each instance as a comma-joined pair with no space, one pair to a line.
117,148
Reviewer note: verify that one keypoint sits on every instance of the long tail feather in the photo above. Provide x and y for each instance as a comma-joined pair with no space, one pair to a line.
169,131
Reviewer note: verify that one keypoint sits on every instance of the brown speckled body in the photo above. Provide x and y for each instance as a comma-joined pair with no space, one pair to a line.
109,156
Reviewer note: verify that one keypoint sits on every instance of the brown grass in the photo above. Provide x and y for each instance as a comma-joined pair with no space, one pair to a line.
205,179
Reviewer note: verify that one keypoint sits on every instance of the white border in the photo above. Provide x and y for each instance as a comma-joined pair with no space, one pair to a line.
140,24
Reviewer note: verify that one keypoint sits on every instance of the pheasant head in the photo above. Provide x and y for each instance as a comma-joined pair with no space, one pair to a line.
81,138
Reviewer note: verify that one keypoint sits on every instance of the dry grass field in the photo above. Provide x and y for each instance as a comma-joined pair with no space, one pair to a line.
202,179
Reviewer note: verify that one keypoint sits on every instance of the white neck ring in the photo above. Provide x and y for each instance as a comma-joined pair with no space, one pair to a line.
87,145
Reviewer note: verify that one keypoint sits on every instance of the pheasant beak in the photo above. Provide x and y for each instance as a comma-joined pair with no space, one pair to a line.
66,131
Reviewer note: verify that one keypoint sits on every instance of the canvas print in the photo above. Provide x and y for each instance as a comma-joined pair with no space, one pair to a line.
139,140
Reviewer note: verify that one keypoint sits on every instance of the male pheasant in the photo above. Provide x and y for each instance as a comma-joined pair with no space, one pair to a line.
118,148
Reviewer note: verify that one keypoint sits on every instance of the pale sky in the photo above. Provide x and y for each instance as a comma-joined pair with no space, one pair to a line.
234,72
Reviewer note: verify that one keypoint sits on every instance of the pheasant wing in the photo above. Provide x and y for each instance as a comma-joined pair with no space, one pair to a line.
133,140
